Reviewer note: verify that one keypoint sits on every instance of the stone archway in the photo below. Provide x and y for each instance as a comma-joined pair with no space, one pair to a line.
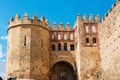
62,71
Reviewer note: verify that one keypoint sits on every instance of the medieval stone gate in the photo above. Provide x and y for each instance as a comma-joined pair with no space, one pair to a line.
62,71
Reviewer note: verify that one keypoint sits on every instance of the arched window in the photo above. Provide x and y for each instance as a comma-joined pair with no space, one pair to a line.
71,36
59,47
65,37
72,47
87,40
59,36
65,46
93,29
53,47
94,40
86,29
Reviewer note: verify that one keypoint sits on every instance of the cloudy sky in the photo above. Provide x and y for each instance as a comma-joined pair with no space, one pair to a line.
55,10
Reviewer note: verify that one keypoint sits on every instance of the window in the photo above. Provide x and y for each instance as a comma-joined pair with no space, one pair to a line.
24,40
65,46
59,37
53,47
72,47
53,36
41,43
93,29
65,37
94,40
71,36
86,29
59,47
87,40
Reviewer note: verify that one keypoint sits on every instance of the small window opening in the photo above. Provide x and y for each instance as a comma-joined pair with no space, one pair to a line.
87,40
94,40
53,47
72,47
59,47
65,46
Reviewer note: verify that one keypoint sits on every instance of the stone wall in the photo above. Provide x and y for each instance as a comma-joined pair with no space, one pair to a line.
109,36
87,51
67,55
28,48
90,63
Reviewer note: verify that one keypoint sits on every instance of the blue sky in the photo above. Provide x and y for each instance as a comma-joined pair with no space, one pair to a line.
55,10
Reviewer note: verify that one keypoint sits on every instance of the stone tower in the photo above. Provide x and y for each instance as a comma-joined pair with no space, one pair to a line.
28,48
87,51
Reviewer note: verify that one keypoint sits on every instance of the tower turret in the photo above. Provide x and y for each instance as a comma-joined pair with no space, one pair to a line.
28,48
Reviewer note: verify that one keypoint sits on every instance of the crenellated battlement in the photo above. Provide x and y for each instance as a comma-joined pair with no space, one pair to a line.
61,26
91,18
109,11
114,8
27,21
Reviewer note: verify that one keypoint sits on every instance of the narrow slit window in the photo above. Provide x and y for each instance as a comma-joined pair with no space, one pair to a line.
65,46
24,40
41,43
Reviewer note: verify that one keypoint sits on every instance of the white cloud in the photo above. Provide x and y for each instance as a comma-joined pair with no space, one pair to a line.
2,69
1,52
2,75
4,37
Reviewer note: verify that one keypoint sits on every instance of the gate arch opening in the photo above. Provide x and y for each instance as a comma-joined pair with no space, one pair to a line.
62,71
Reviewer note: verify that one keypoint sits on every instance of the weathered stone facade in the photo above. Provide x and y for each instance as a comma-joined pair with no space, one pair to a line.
109,35
88,51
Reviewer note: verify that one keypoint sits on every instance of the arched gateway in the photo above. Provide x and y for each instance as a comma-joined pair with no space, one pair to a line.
62,71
